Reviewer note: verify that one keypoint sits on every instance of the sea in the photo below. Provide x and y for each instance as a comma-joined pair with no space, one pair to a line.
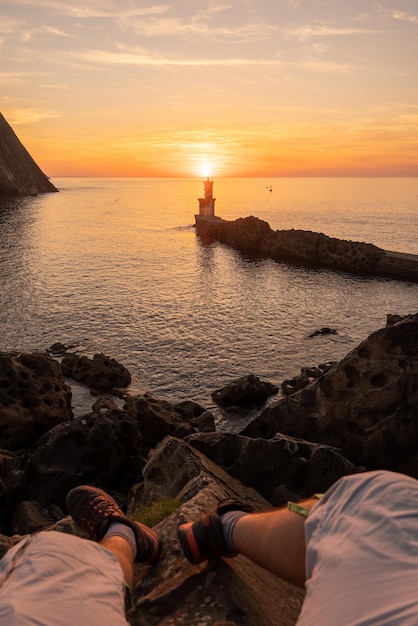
115,266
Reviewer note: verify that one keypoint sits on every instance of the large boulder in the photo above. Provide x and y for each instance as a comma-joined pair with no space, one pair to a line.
159,418
246,391
274,467
366,405
225,592
33,398
100,449
101,373
19,174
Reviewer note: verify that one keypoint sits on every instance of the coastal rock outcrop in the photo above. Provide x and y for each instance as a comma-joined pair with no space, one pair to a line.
101,373
253,236
306,377
246,391
33,398
95,449
159,418
19,174
229,592
366,405
360,413
282,464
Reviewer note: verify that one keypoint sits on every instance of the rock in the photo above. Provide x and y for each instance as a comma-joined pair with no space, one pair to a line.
253,236
248,391
267,465
28,517
59,348
159,418
306,377
19,174
393,319
323,331
225,591
246,234
94,449
33,398
101,373
366,405
201,419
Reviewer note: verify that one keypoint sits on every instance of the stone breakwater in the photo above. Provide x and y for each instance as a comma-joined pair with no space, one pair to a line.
356,414
310,249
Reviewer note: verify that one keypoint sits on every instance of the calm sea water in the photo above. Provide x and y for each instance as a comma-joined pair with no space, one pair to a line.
114,265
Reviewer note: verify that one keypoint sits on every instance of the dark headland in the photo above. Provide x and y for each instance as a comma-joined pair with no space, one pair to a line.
19,174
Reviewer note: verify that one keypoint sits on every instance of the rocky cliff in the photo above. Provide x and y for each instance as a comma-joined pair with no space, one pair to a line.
361,413
300,247
19,174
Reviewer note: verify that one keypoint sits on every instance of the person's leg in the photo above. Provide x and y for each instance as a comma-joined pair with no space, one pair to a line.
274,539
123,553
99,515
58,579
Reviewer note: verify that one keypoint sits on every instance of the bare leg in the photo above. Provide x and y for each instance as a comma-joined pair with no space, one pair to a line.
123,554
275,540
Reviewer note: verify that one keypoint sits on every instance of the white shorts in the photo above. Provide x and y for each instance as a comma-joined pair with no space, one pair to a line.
57,579
362,553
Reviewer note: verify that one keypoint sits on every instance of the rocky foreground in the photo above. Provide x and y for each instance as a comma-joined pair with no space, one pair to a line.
19,174
309,249
360,413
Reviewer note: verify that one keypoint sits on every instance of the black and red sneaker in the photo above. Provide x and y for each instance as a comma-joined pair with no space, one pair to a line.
204,538
93,510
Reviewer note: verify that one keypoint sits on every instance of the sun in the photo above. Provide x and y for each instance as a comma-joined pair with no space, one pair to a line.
205,169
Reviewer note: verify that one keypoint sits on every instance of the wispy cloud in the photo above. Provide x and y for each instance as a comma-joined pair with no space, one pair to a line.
317,30
144,58
396,14
84,9
29,116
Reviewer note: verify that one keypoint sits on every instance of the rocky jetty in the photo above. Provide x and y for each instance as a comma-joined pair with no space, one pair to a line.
309,249
357,414
19,174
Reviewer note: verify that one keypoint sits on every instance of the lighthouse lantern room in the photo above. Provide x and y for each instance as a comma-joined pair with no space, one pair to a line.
207,204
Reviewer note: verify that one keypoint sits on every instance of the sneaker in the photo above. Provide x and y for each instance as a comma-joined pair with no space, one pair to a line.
204,538
93,510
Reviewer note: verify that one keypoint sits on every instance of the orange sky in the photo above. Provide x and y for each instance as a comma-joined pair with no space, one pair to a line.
248,88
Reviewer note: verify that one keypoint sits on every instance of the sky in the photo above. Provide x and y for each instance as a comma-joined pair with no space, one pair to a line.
142,88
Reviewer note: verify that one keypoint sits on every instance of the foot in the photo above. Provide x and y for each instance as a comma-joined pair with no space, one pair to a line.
204,538
93,510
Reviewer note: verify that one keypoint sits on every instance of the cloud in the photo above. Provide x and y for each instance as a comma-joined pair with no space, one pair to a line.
57,31
20,117
306,32
144,58
81,9
397,15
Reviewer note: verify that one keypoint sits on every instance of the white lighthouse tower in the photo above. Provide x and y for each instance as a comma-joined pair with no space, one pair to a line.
207,204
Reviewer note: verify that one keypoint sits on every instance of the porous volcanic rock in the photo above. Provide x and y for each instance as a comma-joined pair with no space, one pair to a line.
306,377
19,174
93,449
101,373
253,236
159,418
366,405
224,592
33,398
248,391
268,465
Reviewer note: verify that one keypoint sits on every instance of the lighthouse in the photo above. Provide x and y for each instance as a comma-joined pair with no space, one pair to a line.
207,204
